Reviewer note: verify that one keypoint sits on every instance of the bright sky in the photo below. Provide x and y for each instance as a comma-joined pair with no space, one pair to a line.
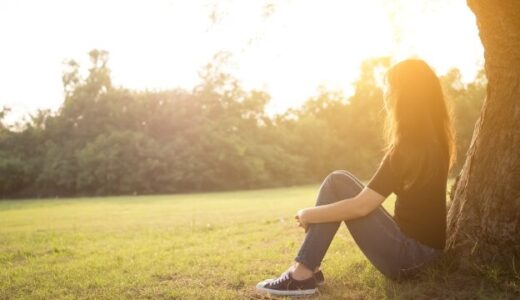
287,48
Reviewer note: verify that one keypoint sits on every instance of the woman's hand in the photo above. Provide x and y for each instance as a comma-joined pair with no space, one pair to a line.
300,218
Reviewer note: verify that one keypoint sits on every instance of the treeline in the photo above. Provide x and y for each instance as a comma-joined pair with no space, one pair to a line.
107,140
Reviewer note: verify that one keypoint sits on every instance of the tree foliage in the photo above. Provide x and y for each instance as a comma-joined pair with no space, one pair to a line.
107,140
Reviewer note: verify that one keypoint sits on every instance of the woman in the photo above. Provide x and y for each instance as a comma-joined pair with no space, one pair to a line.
419,153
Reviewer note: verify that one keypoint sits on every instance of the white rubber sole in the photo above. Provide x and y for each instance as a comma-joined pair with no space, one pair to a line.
260,288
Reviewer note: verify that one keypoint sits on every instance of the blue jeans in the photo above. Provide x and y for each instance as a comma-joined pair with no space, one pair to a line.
377,234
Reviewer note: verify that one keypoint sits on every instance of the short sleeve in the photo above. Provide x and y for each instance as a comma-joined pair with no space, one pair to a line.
383,181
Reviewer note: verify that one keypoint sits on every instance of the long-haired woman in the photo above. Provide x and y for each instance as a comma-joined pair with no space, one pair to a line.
419,152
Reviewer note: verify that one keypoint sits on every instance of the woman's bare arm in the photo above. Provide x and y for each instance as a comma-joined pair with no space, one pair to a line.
351,208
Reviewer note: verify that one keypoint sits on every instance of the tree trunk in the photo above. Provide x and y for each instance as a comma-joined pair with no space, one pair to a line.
484,218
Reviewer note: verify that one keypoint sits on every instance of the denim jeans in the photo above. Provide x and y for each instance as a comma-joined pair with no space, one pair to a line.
377,234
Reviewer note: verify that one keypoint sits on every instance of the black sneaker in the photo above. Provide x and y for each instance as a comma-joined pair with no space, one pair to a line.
320,279
285,285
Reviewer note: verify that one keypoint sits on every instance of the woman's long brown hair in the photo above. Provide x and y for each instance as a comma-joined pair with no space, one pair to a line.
419,122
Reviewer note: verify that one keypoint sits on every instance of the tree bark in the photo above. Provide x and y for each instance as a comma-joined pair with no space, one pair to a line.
484,217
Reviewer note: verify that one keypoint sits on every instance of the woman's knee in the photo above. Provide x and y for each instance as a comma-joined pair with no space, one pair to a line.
343,176
343,182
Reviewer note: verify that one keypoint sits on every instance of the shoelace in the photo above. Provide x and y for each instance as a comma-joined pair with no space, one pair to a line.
281,278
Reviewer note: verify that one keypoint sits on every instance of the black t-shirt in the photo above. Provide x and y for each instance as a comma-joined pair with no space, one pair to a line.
420,211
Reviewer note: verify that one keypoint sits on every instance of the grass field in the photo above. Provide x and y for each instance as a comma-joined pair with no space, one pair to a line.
188,246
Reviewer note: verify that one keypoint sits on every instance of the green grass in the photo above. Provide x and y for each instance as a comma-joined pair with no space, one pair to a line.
188,246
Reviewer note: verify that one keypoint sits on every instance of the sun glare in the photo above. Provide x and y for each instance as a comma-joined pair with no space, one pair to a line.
287,48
